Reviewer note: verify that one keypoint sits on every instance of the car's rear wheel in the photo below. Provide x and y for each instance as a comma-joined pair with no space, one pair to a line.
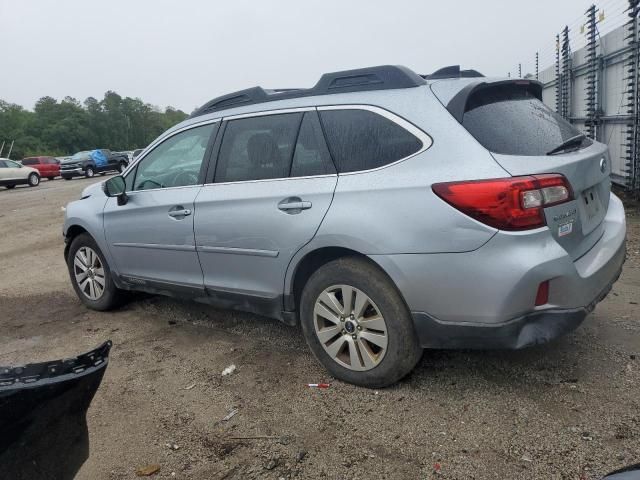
91,276
89,172
33,179
357,325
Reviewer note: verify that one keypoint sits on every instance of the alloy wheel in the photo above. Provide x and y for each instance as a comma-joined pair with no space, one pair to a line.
89,273
350,327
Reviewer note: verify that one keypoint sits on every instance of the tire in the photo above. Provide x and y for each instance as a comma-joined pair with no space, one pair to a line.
110,297
9,187
385,365
67,178
33,179
89,172
51,178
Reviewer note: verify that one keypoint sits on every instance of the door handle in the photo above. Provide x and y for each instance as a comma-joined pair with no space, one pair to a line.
294,206
180,213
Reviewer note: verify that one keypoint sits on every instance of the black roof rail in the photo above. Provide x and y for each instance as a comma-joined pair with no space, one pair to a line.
453,71
383,77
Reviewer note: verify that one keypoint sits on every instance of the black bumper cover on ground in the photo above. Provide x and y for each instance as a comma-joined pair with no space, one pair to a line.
532,329
43,406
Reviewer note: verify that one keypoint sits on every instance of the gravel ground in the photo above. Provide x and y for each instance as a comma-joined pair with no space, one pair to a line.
567,410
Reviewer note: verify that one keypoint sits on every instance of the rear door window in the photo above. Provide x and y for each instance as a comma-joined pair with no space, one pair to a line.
362,140
510,120
257,148
30,161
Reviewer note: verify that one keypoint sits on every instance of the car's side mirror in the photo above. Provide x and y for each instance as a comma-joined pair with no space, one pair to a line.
116,187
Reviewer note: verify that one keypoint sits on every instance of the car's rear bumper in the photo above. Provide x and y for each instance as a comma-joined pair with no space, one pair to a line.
532,329
486,298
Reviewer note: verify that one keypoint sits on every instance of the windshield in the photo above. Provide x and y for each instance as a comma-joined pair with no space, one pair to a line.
510,120
80,156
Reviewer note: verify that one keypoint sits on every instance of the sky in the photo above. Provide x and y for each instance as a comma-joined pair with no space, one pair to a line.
183,53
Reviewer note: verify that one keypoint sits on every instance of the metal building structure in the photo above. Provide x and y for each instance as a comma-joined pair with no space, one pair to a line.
597,86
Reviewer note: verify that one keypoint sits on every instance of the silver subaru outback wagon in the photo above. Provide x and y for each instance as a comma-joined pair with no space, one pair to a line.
383,211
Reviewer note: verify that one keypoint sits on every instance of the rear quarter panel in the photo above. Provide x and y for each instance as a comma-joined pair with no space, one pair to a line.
392,209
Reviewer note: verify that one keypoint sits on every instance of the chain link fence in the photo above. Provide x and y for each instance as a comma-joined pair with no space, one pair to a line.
592,79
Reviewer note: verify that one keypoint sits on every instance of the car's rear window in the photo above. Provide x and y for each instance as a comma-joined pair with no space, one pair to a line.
510,120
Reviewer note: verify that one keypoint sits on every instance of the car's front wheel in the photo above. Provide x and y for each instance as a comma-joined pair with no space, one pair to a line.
89,172
33,179
91,276
357,325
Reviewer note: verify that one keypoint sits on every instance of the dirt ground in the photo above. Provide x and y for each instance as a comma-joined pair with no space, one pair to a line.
567,410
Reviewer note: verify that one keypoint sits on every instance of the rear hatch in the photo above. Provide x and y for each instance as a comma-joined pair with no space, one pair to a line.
524,135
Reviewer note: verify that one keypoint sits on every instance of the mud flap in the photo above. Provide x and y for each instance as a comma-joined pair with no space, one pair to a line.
43,407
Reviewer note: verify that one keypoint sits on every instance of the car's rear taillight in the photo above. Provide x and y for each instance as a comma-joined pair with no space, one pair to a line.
514,203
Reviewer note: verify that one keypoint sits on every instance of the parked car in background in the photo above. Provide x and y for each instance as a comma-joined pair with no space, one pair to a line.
13,173
90,162
128,153
48,167
438,211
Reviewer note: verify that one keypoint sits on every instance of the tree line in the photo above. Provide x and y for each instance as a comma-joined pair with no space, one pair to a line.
66,127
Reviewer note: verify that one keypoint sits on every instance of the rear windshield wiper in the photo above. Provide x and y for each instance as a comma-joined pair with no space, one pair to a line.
573,141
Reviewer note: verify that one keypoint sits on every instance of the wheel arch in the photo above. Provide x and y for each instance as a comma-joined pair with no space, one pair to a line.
299,272
72,232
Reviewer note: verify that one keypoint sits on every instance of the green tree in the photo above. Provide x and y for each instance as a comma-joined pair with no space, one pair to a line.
68,126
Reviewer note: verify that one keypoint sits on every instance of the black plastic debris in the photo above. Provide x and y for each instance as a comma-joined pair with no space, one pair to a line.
43,410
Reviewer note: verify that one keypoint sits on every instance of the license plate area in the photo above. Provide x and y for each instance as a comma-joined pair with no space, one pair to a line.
592,209
591,203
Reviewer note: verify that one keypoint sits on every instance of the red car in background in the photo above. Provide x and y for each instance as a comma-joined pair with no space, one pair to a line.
47,166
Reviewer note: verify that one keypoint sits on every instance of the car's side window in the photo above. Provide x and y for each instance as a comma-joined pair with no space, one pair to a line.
361,139
176,162
3,164
311,156
257,148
